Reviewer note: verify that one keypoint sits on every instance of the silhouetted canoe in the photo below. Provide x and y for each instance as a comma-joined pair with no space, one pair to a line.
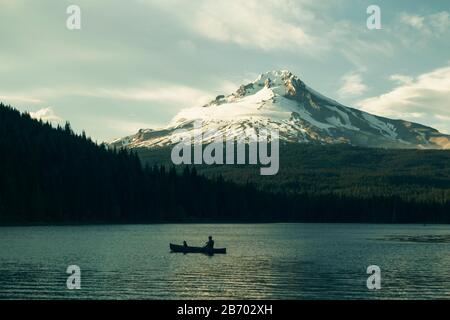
183,249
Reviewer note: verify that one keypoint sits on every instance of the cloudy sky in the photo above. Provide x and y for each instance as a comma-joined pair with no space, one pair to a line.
136,63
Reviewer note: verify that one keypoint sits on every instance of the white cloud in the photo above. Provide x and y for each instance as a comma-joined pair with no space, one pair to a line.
424,99
436,24
352,85
401,79
228,87
262,24
47,115
304,27
440,21
250,23
14,98
37,95
183,96
412,20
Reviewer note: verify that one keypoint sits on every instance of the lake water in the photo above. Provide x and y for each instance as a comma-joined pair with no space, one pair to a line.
274,261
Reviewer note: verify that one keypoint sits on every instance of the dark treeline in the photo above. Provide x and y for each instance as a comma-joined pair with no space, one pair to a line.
52,175
342,170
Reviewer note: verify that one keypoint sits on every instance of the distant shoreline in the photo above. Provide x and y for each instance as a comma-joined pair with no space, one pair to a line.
80,224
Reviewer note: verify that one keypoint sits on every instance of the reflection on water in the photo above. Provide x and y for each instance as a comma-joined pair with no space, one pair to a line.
275,261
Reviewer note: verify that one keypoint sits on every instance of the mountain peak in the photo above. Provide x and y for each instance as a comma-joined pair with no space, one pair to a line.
275,74
279,100
282,82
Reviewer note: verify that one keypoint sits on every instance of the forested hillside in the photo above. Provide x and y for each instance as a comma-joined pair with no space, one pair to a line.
342,170
52,175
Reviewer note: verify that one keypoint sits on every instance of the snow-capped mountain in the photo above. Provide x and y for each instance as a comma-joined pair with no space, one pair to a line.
280,100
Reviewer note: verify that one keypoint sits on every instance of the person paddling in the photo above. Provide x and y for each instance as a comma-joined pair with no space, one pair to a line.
209,246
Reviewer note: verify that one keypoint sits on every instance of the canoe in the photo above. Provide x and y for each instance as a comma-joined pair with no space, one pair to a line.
183,249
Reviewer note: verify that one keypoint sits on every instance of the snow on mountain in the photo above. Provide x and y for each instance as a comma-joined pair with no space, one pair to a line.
280,101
